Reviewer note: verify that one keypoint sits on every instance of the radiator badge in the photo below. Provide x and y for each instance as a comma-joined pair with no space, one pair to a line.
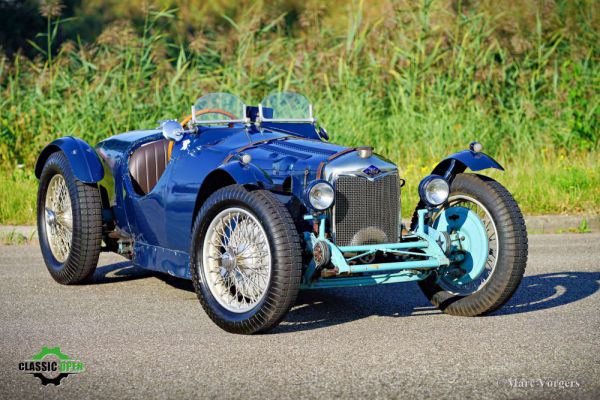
372,171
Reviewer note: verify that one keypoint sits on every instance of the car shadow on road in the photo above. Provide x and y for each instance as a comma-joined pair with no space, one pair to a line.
321,308
126,271
119,272
327,307
540,292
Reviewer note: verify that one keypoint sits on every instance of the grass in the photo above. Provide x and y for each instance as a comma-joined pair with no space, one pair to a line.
417,81
17,198
557,186
16,238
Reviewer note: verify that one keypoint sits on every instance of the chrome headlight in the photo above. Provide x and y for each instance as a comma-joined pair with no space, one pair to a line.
320,195
434,190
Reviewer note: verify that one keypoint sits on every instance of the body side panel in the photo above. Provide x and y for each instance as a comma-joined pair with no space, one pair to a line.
161,221
114,153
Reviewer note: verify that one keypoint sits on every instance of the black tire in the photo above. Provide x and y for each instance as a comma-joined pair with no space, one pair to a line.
512,252
86,206
286,259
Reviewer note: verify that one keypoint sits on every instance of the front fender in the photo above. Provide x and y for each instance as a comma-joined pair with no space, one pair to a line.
83,159
459,162
247,174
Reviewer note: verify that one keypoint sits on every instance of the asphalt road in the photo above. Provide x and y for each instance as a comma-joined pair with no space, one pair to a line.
144,335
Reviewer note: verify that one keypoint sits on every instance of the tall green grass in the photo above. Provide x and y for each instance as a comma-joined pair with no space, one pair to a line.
416,81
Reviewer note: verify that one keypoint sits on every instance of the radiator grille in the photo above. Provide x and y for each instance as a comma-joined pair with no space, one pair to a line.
366,212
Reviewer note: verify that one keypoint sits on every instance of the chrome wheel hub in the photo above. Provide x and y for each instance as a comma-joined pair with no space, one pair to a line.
236,260
51,218
58,218
227,264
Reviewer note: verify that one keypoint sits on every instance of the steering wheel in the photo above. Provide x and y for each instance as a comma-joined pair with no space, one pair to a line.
187,119
209,111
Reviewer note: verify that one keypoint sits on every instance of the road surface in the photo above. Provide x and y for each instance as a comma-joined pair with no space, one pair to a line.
144,335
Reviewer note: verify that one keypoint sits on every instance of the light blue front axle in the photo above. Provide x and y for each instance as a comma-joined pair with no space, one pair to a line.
421,247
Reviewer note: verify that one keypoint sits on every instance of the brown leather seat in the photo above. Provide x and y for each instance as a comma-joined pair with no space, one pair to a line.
147,164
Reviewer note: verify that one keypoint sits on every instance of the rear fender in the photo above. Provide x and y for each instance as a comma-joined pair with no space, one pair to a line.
84,161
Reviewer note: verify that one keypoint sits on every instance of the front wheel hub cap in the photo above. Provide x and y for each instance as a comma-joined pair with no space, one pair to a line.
474,244
227,264
472,236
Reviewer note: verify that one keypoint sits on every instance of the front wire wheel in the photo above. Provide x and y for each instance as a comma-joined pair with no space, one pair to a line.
237,260
246,259
498,256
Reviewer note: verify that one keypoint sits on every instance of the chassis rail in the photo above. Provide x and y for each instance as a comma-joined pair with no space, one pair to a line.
421,246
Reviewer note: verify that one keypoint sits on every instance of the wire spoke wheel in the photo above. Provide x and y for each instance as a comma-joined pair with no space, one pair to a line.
245,259
237,260
69,222
58,218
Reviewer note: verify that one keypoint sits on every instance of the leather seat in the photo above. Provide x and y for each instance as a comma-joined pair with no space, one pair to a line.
147,164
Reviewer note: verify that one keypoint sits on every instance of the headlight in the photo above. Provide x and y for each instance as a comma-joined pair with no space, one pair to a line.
320,195
434,190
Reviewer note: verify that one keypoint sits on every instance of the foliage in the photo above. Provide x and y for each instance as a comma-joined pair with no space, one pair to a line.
417,80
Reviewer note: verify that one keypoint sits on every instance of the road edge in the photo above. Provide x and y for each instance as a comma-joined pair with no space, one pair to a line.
536,224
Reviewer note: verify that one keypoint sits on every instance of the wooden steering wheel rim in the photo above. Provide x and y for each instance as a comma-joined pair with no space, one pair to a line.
187,119
208,111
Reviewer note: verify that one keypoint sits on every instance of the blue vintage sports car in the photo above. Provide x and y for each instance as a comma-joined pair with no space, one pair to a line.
253,204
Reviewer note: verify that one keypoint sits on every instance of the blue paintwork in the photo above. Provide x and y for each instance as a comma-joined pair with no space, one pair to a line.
172,262
86,164
466,159
367,280
284,160
164,217
114,153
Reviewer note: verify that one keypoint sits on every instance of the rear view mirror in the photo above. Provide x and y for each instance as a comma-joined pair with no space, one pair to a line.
172,130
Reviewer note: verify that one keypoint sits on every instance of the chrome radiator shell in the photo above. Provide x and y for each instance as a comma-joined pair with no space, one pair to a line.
367,205
366,211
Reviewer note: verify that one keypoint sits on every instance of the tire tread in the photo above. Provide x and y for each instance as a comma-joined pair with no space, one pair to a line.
512,258
285,252
86,206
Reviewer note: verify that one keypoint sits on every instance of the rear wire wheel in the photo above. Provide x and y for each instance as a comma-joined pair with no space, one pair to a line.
69,219
501,268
